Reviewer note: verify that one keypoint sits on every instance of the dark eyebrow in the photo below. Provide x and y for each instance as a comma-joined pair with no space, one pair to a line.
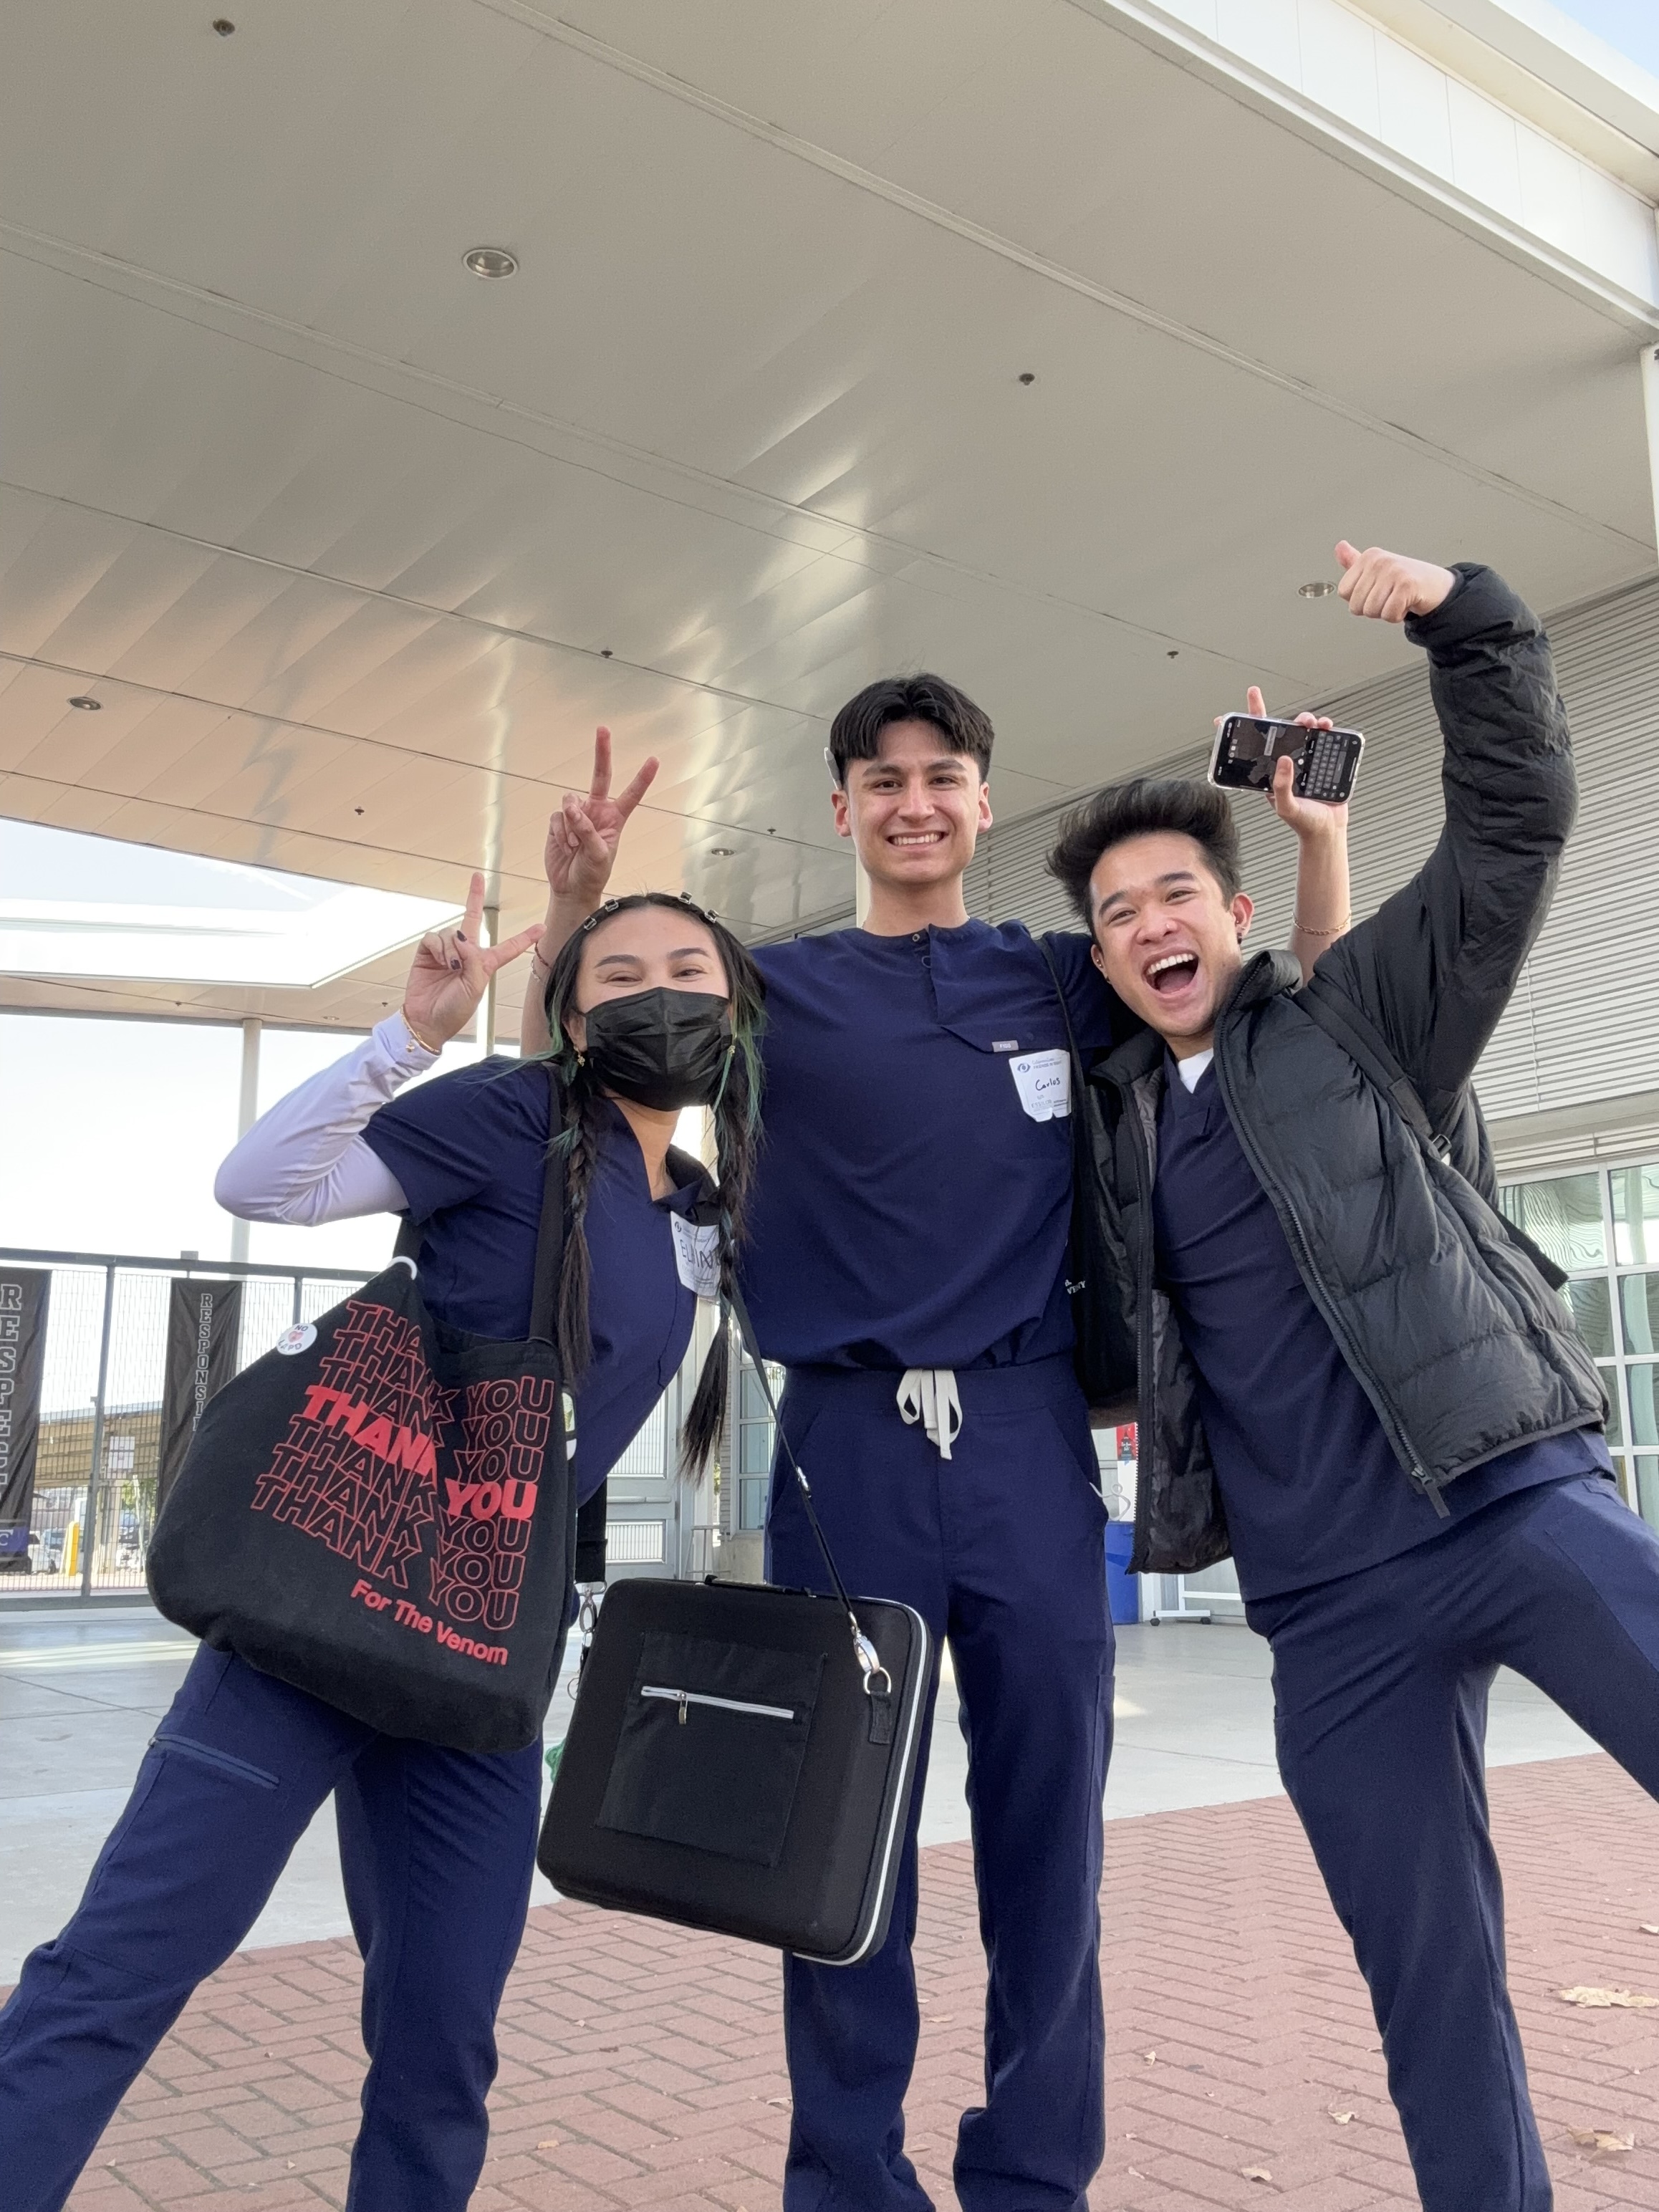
1171,876
956,762
682,952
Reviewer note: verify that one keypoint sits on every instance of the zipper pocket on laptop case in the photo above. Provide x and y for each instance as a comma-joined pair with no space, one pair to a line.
685,1699
713,1768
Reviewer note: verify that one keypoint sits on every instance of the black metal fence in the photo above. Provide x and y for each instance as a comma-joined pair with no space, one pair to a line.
101,1390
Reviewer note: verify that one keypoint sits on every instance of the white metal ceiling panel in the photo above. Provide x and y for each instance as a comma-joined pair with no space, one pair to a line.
329,525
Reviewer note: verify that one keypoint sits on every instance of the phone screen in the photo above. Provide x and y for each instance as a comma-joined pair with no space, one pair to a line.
1248,750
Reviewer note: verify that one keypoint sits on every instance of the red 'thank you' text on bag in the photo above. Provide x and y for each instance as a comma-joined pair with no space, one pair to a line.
379,1511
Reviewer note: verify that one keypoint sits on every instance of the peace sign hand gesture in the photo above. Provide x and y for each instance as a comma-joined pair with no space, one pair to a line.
583,835
451,970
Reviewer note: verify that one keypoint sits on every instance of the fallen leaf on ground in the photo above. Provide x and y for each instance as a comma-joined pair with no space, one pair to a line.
1602,2139
551,2143
784,2101
1256,2173
1600,2000
1647,1927
1341,2118
1150,2057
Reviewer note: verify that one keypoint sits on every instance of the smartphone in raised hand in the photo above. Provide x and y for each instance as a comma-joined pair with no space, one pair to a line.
1247,749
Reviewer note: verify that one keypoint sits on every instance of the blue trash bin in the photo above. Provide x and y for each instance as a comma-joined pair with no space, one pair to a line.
1122,1588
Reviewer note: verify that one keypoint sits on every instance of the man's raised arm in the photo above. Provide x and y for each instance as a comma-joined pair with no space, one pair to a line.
1436,966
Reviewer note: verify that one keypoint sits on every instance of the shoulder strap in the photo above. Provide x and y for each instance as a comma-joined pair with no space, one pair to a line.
550,1236
1337,1014
549,1233
1049,961
869,1664
1053,966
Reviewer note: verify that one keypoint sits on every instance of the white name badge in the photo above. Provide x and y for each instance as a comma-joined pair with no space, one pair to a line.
1043,1080
697,1256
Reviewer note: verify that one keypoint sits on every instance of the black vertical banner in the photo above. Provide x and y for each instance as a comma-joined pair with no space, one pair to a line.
24,1295
204,1320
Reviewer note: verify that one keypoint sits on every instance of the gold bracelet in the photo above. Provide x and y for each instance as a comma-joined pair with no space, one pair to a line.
416,1034
1341,930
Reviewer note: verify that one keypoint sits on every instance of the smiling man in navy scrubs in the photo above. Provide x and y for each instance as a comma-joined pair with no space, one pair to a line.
906,1263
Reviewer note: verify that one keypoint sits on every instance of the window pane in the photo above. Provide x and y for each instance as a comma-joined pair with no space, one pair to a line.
1638,1296
1647,1490
1615,1418
1591,1305
1635,1212
754,1398
1644,1402
754,1447
751,1503
1563,1216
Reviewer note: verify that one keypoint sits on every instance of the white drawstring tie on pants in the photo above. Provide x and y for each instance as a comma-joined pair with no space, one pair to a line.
928,1394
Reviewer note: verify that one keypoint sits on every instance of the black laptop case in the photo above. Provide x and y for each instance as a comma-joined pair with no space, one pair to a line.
726,1766
742,1757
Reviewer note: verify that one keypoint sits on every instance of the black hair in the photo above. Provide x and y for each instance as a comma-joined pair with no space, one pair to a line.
1145,807
856,733
737,1144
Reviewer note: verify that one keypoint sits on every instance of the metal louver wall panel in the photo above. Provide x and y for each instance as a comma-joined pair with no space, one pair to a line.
1584,1020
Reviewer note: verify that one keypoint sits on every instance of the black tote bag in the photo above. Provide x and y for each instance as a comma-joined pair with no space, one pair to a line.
379,1511
742,1758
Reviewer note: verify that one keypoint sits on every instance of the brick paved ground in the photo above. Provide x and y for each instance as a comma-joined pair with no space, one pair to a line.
643,2067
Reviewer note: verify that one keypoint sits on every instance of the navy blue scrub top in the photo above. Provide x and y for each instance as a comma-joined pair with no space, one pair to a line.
908,1211
469,1152
1311,1488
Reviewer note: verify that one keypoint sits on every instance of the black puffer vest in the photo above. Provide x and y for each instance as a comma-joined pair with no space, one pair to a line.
1463,1349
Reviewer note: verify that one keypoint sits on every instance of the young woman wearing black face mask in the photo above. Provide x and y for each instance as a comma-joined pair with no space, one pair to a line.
655,1007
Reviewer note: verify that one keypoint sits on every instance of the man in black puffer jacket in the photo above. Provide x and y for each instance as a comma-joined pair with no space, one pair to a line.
1351,1373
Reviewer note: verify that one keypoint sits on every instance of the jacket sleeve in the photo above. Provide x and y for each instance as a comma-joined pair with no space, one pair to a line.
1436,966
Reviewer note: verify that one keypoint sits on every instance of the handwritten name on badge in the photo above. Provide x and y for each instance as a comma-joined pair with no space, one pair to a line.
697,1256
1043,1080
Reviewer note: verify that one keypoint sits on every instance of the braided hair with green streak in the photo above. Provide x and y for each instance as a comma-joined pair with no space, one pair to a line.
736,1116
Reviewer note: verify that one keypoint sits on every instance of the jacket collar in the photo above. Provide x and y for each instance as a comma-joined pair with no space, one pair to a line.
1265,975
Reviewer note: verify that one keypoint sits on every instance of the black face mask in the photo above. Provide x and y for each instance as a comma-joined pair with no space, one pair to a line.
661,1049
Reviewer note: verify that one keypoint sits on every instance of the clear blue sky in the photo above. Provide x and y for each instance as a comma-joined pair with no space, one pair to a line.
1631,26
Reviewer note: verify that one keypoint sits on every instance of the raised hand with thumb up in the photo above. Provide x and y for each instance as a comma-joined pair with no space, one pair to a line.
1388,586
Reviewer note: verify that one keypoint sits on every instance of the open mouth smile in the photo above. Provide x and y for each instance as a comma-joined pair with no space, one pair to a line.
911,839
1172,974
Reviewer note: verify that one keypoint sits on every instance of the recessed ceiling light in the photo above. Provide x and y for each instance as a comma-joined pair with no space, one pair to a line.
721,852
88,706
1319,589
492,261
1028,376
223,25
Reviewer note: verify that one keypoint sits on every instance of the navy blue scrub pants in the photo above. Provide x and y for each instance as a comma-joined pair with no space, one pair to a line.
1381,1681
436,1848
999,1549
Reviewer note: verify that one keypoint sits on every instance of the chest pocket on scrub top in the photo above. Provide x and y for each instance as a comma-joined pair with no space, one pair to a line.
1000,999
